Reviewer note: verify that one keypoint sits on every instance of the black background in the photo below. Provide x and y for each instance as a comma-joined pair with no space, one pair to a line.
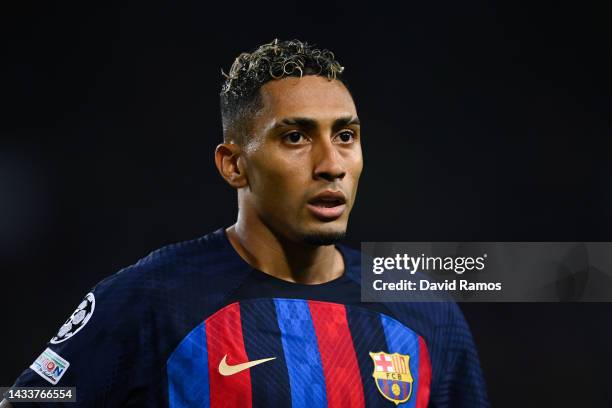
482,121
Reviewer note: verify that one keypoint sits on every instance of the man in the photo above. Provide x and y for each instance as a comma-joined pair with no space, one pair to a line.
266,312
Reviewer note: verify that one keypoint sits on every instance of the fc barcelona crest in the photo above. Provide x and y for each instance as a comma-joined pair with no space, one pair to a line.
392,376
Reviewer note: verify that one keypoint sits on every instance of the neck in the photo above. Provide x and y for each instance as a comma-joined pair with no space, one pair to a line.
281,258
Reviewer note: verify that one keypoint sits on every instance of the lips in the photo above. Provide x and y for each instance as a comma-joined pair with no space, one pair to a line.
328,205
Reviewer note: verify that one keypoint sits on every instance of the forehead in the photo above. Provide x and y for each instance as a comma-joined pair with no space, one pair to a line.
310,96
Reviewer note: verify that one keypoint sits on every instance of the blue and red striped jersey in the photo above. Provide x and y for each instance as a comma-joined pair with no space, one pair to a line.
194,325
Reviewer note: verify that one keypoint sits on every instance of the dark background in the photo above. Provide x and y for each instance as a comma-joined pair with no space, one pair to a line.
482,121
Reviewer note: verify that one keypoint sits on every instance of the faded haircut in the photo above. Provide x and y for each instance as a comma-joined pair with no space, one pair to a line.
240,96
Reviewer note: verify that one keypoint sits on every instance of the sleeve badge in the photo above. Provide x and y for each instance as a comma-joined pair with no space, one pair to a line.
77,320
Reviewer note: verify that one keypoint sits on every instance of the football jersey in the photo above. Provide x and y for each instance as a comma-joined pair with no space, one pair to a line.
194,325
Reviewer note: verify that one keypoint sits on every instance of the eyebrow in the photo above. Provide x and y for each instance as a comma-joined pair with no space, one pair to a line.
311,124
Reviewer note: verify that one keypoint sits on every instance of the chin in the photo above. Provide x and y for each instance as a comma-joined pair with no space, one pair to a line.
323,236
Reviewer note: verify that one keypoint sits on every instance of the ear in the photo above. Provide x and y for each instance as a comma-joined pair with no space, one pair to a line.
232,169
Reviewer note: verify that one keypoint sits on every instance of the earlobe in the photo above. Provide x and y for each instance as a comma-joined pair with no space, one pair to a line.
229,165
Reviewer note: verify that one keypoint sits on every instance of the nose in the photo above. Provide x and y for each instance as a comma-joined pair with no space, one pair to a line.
329,163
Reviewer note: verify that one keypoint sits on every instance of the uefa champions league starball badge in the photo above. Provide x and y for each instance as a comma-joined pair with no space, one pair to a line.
77,320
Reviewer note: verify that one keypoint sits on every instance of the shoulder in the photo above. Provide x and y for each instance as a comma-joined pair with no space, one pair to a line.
204,259
423,316
185,276
352,262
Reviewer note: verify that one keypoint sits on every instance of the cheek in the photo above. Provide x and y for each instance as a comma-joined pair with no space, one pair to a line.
355,166
277,182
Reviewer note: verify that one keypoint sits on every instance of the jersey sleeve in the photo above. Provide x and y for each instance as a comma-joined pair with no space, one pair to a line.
101,349
458,381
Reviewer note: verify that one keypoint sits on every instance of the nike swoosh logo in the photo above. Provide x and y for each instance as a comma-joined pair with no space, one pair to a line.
226,369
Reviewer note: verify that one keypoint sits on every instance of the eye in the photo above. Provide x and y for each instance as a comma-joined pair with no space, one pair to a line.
345,137
294,138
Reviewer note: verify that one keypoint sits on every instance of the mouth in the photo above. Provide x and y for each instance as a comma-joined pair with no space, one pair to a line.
327,206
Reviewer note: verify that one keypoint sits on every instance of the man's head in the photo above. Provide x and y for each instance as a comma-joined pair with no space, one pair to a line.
292,141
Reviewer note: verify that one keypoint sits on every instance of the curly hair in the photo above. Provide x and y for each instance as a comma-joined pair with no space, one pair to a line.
240,97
